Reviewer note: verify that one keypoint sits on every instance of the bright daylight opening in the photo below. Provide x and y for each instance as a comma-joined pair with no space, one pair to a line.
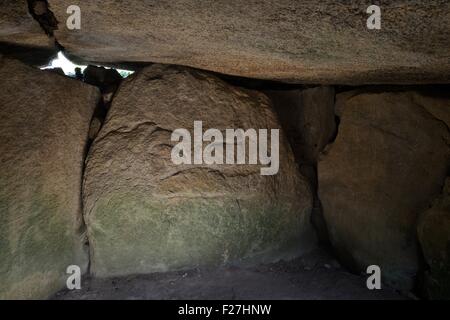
68,66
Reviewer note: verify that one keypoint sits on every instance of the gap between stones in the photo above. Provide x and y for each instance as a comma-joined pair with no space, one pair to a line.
41,12
101,111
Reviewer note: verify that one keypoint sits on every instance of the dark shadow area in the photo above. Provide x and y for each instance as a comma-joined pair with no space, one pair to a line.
29,55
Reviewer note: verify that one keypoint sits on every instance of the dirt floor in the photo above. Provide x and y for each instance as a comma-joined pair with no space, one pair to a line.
315,276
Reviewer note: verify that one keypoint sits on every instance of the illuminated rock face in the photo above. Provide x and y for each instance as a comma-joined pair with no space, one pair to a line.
145,214
322,41
44,121
388,162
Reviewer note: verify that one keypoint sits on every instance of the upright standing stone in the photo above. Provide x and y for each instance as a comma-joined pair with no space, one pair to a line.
388,162
44,121
145,214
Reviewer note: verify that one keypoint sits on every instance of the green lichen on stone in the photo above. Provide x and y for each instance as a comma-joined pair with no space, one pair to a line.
132,233
36,246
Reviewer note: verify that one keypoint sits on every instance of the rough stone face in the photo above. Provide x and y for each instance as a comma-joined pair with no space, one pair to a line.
17,26
21,36
145,214
387,164
434,237
324,41
44,121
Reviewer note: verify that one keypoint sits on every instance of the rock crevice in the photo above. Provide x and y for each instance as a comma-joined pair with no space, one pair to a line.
40,11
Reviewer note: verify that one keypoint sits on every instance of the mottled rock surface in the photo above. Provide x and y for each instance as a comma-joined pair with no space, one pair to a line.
145,214
44,122
388,163
434,237
17,26
21,36
300,41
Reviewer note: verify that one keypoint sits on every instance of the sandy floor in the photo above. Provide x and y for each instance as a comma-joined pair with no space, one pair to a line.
316,276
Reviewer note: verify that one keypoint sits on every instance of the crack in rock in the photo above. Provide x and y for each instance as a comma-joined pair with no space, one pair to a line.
40,11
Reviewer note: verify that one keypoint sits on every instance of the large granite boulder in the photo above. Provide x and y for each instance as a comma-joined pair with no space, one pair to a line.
44,121
145,213
388,163
316,41
434,237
